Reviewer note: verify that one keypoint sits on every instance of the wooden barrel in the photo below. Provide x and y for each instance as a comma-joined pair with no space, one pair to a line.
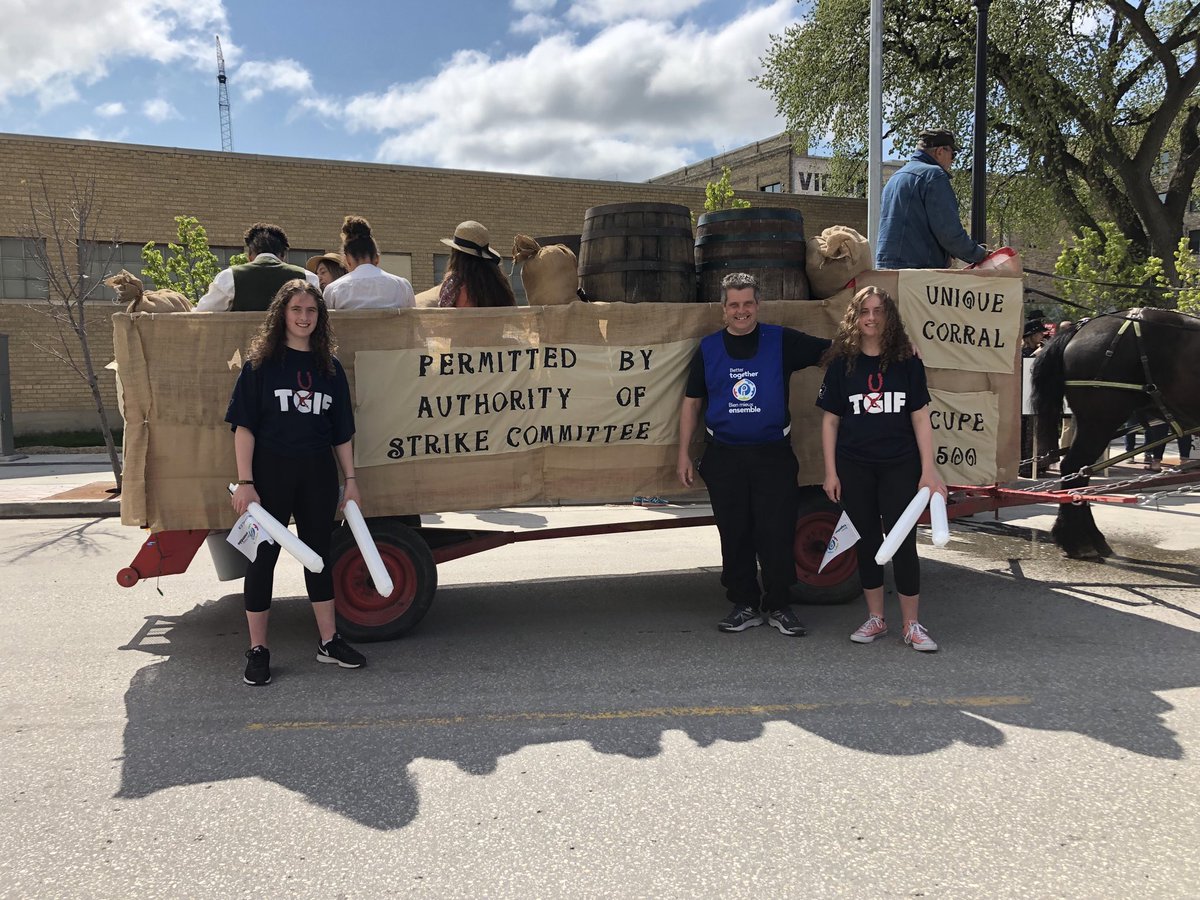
767,243
638,252
570,240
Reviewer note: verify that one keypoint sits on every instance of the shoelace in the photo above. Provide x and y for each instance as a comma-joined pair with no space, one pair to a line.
872,623
917,633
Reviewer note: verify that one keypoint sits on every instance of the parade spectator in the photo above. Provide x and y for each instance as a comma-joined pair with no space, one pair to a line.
473,275
365,285
252,286
1032,338
328,267
290,406
748,465
919,225
878,449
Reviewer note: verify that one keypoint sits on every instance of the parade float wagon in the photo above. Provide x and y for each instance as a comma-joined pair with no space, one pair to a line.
573,404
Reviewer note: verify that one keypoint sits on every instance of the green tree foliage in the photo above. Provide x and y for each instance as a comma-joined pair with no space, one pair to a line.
1096,100
719,195
1187,271
1100,272
191,266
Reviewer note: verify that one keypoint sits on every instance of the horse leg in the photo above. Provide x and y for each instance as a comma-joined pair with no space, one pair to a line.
1098,416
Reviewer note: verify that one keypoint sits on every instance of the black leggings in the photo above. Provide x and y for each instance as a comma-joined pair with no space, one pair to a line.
305,487
874,496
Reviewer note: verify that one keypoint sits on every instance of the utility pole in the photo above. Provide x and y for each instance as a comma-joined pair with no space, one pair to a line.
979,148
223,102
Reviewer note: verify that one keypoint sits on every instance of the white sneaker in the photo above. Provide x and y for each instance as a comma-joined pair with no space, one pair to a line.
918,638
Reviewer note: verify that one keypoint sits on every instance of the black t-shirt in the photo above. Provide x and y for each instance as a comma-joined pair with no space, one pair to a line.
800,351
292,407
875,408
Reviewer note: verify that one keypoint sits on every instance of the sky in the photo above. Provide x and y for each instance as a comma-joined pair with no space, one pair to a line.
609,89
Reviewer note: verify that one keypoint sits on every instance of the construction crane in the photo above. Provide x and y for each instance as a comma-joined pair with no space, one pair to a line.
223,102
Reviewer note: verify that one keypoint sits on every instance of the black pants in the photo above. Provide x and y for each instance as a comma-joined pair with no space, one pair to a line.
874,496
754,499
306,488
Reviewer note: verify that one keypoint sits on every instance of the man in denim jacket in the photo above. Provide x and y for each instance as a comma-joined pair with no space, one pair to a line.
919,226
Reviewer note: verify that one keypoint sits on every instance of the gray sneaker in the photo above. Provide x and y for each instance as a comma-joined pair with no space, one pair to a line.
787,622
740,619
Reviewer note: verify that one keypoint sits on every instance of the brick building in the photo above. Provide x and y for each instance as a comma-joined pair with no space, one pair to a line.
141,189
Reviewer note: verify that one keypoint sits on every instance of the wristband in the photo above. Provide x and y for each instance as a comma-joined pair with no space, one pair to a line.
350,477
243,482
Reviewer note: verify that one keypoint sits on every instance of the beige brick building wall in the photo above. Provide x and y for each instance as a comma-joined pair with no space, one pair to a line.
751,168
143,188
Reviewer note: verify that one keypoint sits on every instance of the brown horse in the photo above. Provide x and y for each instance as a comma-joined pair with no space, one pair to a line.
1130,363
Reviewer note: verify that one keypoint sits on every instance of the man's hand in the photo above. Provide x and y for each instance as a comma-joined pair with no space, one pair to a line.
684,469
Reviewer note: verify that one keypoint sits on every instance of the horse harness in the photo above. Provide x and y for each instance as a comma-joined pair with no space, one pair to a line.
1148,387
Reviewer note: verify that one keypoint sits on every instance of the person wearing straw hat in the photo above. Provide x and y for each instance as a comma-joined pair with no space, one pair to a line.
328,267
366,286
473,274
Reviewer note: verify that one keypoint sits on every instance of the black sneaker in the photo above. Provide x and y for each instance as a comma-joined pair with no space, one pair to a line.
338,651
740,619
258,666
787,623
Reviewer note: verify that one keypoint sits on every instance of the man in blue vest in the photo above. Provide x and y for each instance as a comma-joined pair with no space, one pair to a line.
919,226
748,466
252,286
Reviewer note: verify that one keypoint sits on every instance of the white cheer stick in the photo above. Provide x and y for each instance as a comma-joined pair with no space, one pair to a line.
308,557
903,526
366,546
937,519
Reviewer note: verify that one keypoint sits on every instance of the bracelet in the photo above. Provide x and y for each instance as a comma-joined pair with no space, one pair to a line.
349,477
243,482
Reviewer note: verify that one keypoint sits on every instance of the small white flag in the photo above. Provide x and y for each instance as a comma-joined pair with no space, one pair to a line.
247,534
845,536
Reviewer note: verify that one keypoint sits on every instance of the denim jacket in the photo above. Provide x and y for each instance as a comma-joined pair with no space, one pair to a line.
919,226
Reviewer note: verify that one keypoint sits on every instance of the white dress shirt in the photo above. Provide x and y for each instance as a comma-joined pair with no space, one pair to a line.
369,287
220,293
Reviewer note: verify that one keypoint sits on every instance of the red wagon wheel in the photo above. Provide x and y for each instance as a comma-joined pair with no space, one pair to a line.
839,582
364,615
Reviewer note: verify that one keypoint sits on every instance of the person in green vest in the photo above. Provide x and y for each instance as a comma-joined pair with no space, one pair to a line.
251,287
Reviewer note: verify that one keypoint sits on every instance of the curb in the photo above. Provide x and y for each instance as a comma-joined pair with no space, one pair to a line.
61,509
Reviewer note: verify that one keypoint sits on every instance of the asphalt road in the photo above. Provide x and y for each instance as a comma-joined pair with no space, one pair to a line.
568,722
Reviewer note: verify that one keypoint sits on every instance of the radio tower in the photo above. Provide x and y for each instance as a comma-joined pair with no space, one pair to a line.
223,102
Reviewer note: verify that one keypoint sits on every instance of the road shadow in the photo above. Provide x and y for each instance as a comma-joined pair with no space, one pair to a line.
616,662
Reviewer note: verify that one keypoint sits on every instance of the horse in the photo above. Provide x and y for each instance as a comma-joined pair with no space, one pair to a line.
1130,363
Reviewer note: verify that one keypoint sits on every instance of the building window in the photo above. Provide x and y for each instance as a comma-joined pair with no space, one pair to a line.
775,188
20,276
397,264
300,257
1194,240
105,260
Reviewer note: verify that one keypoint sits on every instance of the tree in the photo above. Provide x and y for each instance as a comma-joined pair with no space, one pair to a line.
64,240
1095,98
192,266
1099,272
719,195
1187,270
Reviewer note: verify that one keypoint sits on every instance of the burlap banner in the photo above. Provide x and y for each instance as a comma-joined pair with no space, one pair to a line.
967,322
966,428
483,401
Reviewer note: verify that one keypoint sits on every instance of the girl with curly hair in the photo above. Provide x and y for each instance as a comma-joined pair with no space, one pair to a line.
878,448
290,406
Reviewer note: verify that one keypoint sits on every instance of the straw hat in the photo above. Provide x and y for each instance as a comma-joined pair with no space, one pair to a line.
472,238
314,261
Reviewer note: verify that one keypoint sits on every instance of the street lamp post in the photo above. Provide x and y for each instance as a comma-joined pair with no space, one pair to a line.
979,145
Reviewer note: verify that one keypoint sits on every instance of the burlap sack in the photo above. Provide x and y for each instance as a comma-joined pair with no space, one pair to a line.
429,298
548,273
835,256
130,291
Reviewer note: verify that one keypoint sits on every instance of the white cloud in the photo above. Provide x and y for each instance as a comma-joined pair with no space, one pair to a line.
533,6
159,110
109,110
47,50
255,78
605,12
532,23
633,101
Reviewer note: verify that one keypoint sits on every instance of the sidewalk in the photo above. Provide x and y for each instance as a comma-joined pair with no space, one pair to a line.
49,485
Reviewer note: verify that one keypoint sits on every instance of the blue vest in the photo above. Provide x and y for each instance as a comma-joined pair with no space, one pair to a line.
746,396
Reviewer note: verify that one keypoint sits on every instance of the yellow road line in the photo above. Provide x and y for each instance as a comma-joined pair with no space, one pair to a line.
660,712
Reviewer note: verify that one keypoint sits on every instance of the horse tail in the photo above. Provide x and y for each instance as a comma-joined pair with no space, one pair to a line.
1049,383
